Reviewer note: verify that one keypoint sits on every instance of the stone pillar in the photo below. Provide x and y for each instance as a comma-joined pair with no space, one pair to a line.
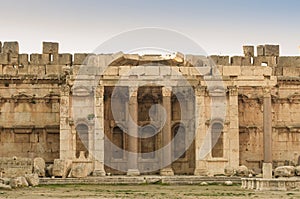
133,132
65,137
232,137
267,136
166,134
201,164
98,134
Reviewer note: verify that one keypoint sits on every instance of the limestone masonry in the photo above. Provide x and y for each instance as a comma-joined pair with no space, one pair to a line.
38,118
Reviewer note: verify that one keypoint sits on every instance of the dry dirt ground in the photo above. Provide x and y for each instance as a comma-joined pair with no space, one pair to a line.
142,191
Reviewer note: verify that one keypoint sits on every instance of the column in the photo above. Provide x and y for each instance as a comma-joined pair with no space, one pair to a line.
133,132
166,134
267,136
232,137
201,164
65,137
98,134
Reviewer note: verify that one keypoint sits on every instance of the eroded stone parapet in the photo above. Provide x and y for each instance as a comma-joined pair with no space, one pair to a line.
220,60
248,51
265,60
50,48
260,50
23,60
80,58
11,47
39,59
271,50
3,58
268,50
289,61
64,59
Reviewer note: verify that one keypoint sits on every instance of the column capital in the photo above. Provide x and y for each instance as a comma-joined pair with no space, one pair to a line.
267,91
166,91
133,91
233,90
65,90
200,90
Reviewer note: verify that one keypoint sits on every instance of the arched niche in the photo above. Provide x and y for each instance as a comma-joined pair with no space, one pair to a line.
147,142
117,143
82,139
217,141
179,141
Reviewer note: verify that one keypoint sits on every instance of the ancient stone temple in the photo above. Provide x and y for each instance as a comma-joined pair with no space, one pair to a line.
150,114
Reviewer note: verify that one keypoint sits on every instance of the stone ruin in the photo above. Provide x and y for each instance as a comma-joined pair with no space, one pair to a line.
261,129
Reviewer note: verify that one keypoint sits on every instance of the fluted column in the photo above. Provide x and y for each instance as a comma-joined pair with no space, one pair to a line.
166,134
133,132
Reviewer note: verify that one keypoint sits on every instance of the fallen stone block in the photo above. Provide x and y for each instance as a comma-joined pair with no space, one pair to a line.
5,187
242,171
229,171
18,182
62,168
39,166
284,171
80,171
32,179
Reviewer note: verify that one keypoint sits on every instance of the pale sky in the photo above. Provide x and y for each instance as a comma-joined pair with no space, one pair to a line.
218,26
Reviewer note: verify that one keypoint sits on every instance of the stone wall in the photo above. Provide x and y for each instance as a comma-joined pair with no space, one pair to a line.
37,92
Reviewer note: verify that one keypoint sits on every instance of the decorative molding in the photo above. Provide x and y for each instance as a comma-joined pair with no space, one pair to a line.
82,91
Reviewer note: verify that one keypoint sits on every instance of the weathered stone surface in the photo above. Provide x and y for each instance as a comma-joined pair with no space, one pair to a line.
242,171
32,179
39,166
5,187
284,171
80,58
271,50
62,168
4,181
50,48
248,51
231,70
11,47
260,50
229,171
80,171
18,182
14,167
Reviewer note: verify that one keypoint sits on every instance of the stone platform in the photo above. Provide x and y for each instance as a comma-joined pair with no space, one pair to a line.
175,180
273,184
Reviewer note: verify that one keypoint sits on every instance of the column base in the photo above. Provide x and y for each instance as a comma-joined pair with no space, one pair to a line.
166,172
267,170
133,172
